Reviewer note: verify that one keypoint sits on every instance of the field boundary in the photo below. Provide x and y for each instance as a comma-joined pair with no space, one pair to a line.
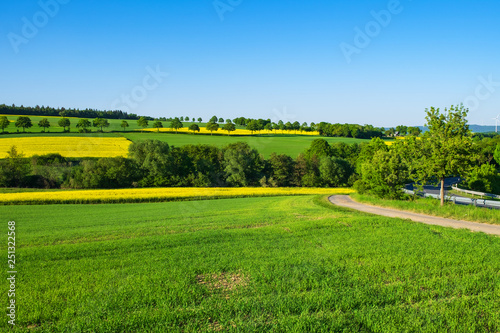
144,195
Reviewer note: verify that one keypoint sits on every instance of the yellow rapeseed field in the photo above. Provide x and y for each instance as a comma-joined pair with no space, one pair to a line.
157,194
203,130
67,146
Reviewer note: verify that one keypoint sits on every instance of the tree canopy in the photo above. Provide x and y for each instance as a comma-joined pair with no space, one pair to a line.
446,149
176,124
23,122
212,127
100,122
194,128
44,123
143,122
158,124
4,123
83,125
229,127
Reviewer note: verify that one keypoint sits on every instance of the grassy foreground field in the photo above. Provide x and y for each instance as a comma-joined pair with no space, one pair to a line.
282,264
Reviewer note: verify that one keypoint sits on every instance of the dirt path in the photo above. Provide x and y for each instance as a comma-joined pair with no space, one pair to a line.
346,201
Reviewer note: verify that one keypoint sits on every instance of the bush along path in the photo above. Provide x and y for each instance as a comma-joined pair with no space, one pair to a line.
346,201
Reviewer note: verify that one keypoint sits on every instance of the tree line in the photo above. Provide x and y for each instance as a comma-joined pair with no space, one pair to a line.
254,125
152,163
83,125
46,111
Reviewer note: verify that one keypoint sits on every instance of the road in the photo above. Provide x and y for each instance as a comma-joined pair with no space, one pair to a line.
448,182
430,189
346,201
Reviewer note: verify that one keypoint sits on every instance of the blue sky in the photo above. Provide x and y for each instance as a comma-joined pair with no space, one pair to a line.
264,59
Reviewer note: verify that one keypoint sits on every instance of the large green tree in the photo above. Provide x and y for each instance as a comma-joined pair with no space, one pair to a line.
124,124
14,169
142,122
319,148
212,127
44,123
158,124
23,122
100,122
242,164
194,128
383,175
229,127
176,124
282,167
446,149
154,159
254,126
64,122
83,125
4,123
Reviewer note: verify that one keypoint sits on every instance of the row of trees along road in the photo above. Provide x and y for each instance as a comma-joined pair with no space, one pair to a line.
445,150
83,125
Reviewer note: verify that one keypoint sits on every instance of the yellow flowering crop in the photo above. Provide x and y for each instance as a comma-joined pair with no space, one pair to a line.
157,194
67,146
203,130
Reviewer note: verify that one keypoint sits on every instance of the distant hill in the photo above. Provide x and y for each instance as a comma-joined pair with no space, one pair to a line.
473,128
481,129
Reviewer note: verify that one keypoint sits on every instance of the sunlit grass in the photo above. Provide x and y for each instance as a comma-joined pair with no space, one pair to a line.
282,264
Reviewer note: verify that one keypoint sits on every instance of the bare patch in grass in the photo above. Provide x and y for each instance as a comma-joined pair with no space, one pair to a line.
224,282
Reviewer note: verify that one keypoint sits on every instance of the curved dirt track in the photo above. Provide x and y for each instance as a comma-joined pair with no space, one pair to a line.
346,201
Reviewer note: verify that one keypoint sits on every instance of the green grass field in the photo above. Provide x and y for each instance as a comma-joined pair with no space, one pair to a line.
291,145
281,264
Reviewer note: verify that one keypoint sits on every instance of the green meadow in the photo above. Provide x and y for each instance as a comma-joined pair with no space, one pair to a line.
280,264
291,145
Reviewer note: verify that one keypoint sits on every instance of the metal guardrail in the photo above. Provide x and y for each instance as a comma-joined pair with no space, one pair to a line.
460,200
481,194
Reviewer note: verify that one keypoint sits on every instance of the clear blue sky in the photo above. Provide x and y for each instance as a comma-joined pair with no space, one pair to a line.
255,58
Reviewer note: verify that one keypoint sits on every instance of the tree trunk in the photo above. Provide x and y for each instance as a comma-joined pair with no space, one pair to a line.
442,191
